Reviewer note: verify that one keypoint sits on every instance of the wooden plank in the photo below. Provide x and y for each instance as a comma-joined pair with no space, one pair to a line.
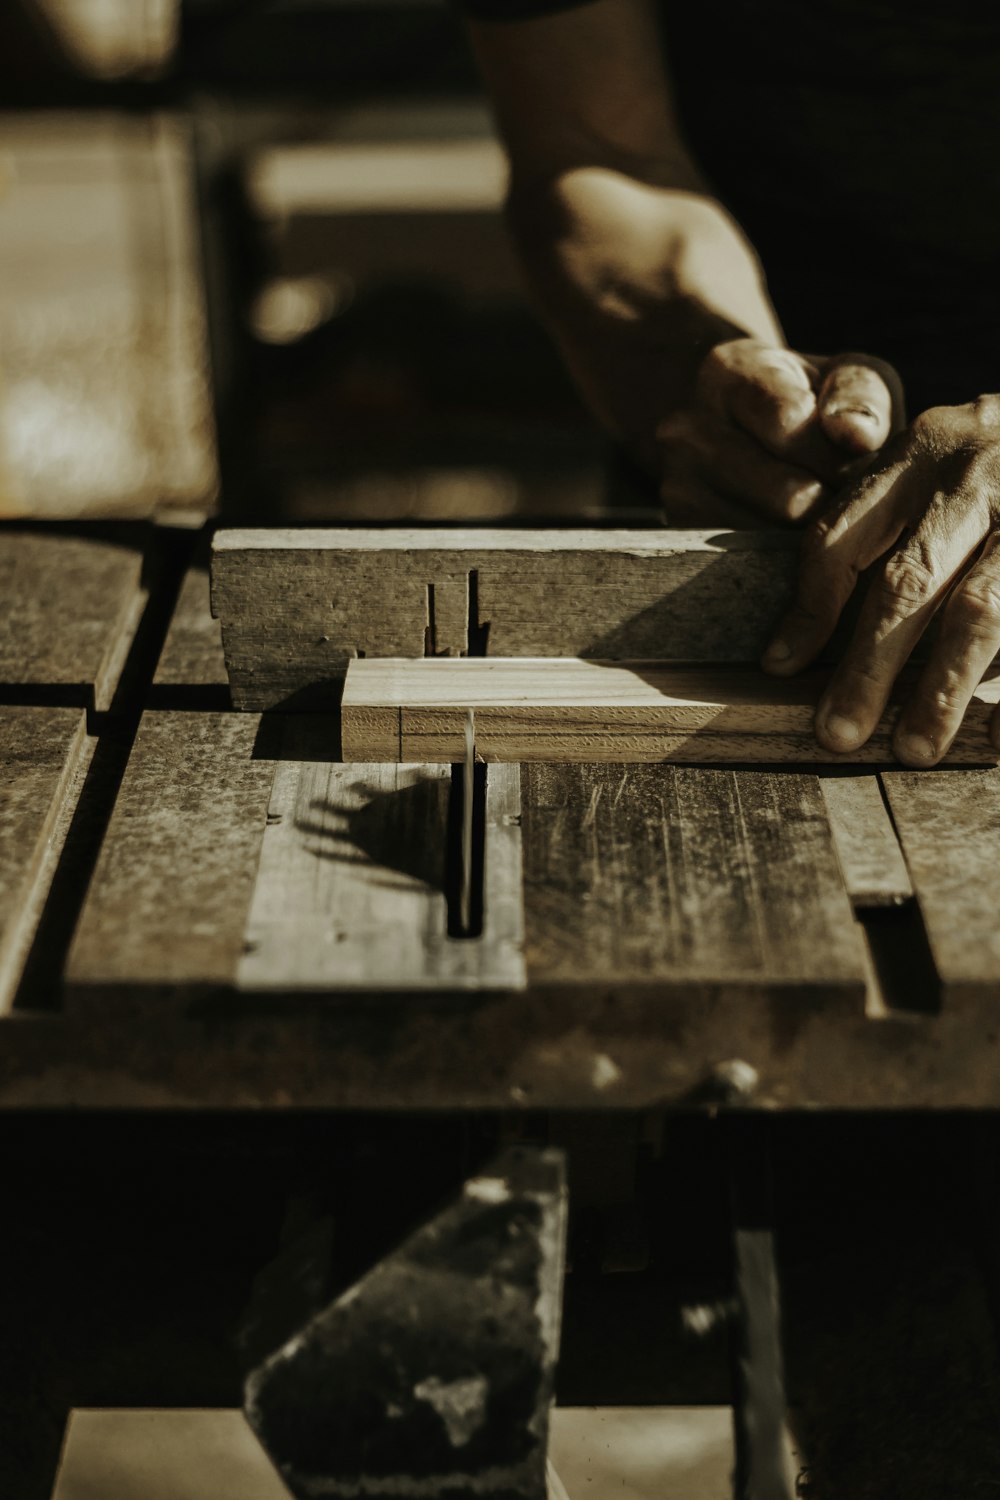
106,407
168,902
296,606
192,651
688,882
874,868
949,827
69,609
351,890
572,709
43,754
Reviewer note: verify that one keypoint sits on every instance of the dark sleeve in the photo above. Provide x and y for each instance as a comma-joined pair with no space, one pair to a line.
514,10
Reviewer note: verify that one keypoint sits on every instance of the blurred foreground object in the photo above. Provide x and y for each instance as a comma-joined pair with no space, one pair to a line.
105,400
112,39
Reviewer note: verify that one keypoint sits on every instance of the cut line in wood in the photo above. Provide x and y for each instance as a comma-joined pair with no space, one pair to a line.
566,709
351,893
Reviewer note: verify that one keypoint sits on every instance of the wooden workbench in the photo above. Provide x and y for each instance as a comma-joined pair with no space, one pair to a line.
205,908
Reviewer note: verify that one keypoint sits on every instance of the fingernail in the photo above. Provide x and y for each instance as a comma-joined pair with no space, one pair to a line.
844,731
914,747
777,651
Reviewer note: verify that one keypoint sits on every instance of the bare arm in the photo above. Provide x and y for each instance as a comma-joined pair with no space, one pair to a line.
651,289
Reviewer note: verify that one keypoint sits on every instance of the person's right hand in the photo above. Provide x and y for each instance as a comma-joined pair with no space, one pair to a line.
773,429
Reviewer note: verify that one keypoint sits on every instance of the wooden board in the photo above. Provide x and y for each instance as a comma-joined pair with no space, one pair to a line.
351,889
168,902
574,710
192,651
872,862
69,609
949,827
296,606
686,882
605,1453
43,752
105,407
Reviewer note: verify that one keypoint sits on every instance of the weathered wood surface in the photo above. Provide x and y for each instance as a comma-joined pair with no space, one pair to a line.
949,827
567,709
874,868
296,606
192,651
169,898
69,608
351,888
43,752
694,883
106,400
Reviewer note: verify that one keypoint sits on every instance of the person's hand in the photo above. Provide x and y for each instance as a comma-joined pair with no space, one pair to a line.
934,497
773,429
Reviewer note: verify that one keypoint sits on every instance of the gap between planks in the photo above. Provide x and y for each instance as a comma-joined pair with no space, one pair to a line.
569,709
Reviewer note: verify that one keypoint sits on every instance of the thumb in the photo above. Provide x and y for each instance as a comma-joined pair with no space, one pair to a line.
860,403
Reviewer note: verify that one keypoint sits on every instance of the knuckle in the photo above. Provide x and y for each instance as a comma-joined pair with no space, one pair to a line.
909,578
975,606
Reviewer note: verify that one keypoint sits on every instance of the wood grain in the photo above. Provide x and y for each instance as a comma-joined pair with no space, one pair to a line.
296,606
576,710
688,882
169,897
106,385
43,753
949,827
874,868
69,608
351,890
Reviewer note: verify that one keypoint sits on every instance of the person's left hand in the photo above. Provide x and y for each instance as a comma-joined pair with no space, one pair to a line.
933,495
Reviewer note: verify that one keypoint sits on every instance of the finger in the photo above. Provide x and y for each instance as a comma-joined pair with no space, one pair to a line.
773,400
969,640
896,611
868,520
739,467
857,405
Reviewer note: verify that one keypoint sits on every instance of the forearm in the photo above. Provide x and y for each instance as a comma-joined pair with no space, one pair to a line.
624,245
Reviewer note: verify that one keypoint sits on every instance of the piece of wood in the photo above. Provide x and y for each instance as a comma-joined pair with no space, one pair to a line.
874,868
350,893
43,754
164,1454
949,827
576,710
192,651
173,884
69,609
297,606
687,882
106,390
605,1452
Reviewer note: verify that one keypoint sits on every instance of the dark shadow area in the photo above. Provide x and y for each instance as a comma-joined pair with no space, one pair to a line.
398,832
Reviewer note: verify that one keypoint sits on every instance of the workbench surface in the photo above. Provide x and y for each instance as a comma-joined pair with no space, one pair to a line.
207,908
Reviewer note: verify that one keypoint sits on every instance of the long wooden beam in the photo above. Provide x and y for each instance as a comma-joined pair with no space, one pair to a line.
554,709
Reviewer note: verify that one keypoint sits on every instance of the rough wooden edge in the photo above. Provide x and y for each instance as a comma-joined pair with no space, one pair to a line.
17,938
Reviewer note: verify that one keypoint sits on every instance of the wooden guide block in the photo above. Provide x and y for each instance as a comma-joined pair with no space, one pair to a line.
297,606
43,753
686,882
575,710
949,827
69,609
350,890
